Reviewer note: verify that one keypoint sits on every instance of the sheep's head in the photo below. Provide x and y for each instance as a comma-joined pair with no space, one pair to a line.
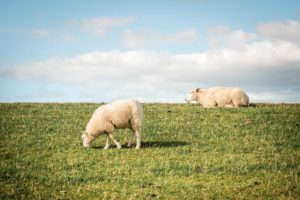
193,95
86,139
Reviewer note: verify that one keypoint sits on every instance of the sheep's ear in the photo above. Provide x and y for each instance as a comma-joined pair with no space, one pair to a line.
198,89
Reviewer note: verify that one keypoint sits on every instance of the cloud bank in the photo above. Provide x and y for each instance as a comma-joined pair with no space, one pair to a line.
265,64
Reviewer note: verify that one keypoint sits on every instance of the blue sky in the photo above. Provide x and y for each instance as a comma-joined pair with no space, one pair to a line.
61,51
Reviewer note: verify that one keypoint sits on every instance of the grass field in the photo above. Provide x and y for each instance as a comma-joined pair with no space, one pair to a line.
188,152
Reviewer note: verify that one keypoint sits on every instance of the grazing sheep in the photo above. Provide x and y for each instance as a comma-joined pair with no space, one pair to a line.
219,97
116,115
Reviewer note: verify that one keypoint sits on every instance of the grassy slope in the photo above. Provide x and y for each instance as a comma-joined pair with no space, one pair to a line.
188,152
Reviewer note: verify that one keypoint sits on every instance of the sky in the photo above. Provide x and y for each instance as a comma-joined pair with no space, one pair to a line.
152,51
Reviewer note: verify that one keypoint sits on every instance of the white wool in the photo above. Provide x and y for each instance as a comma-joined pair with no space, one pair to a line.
116,115
219,97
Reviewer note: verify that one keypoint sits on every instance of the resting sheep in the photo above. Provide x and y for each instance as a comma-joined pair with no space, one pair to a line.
116,115
219,97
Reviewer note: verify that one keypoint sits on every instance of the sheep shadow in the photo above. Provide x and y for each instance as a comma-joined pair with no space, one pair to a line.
152,144
163,144
253,105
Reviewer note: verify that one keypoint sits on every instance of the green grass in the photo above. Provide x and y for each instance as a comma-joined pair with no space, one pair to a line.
188,152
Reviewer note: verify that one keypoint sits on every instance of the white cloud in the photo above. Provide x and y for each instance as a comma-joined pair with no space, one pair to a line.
265,64
67,37
221,36
2,71
157,76
52,34
100,25
40,32
285,30
142,38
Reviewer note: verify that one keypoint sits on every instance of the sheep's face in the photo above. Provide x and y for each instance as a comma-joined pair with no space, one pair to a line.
192,96
86,140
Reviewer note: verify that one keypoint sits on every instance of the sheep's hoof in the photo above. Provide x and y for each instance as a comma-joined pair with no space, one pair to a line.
137,147
106,147
119,147
129,145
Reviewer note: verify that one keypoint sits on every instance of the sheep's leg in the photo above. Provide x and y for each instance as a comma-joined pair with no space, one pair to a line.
210,104
229,106
131,139
107,143
138,139
115,141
